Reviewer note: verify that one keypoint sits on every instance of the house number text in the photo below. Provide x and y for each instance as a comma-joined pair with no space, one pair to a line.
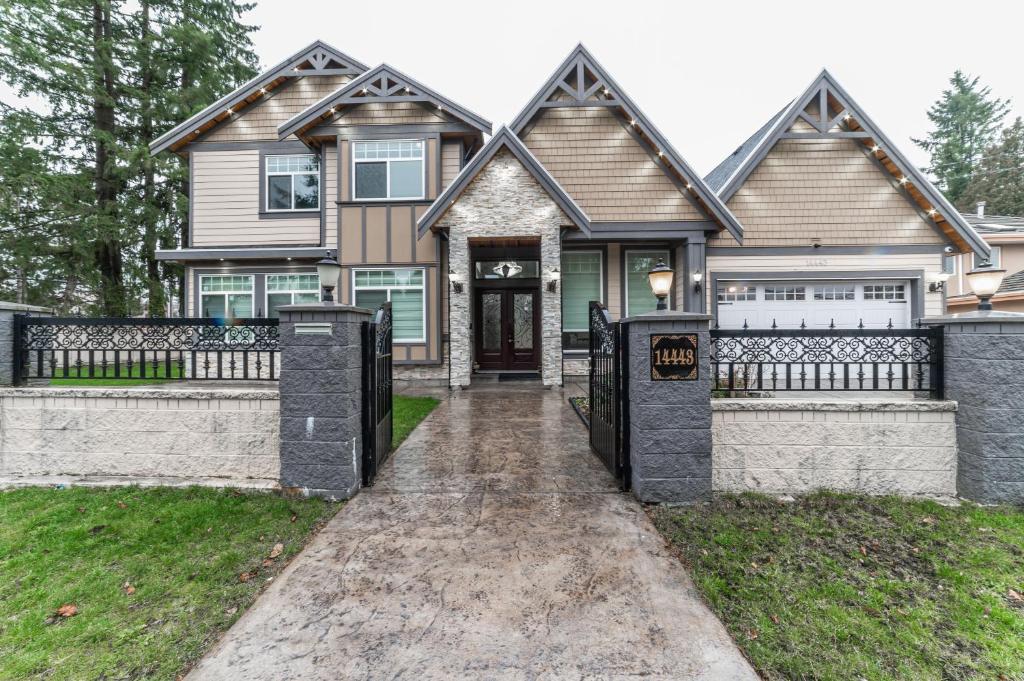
674,357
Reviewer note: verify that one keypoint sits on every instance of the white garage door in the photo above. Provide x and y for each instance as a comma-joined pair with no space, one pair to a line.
818,304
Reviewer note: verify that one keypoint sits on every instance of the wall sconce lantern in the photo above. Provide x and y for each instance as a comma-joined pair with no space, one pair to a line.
936,286
553,281
698,277
456,281
985,280
328,270
660,279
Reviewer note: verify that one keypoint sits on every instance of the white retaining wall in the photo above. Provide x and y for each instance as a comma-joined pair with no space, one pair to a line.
875,447
211,436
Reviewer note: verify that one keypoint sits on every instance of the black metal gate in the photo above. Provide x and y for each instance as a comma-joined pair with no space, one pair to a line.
609,392
376,392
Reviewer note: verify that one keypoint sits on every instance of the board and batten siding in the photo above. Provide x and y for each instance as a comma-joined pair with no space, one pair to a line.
226,205
451,161
605,170
389,113
793,267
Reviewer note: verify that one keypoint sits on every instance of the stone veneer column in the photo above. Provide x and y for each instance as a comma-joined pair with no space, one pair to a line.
7,312
321,399
984,373
669,421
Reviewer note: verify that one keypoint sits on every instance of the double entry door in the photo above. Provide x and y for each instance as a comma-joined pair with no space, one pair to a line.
508,328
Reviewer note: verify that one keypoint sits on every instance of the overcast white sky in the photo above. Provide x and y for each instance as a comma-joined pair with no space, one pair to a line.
708,74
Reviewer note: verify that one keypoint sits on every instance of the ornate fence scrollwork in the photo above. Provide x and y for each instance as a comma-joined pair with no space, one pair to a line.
147,348
769,360
609,392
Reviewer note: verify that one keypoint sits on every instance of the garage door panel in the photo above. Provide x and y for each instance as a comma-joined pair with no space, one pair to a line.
815,304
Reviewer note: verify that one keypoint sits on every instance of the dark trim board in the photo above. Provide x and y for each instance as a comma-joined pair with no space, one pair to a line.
825,250
240,253
288,149
916,278
362,131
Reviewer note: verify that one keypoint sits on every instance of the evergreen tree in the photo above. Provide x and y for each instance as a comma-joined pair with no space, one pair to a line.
966,120
999,178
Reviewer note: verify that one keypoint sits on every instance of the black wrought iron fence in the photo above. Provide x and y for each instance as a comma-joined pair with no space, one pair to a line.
770,360
146,349
377,392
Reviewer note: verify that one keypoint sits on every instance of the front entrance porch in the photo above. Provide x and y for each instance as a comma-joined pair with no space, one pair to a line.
506,305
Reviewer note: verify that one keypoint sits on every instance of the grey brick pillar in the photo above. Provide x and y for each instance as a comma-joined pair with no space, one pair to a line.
670,420
984,373
7,312
321,399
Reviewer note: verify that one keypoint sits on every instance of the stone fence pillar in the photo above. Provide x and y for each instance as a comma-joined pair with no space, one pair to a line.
7,312
670,406
984,373
321,399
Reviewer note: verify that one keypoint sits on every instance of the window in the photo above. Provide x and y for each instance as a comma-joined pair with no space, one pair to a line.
225,295
785,293
291,289
735,293
293,182
834,292
582,282
404,288
507,269
884,292
388,170
949,264
996,257
639,298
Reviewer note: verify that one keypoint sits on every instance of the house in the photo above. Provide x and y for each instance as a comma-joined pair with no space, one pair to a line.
1005,236
839,228
491,249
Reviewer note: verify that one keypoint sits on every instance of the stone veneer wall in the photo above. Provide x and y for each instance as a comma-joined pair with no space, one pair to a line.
218,437
504,200
789,446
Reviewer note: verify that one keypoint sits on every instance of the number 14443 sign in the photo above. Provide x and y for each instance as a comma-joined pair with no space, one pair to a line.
673,357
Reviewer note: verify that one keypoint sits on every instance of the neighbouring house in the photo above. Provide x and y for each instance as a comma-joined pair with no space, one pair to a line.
491,249
1005,236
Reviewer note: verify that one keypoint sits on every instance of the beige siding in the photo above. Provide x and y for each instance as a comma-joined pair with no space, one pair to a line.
614,301
823,189
401,237
603,168
226,203
259,121
376,234
389,113
451,161
791,267
330,195
351,234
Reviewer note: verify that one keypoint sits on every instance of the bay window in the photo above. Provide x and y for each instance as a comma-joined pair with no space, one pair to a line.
293,182
639,297
404,289
582,282
388,170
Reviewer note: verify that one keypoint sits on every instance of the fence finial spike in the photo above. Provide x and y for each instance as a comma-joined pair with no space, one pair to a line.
774,325
889,326
832,323
861,324
717,325
745,324
803,324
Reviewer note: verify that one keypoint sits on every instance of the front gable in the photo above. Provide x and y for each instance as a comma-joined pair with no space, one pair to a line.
822,173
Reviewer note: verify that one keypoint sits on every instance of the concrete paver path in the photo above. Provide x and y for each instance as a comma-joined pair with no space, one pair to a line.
493,546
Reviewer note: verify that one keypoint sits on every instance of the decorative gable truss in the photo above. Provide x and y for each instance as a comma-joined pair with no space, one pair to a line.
581,81
382,84
317,59
826,111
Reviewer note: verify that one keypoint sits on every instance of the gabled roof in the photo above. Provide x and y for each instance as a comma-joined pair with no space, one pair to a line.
595,87
317,58
853,123
504,139
381,84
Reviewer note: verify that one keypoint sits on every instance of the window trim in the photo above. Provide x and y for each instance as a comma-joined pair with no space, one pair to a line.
267,292
266,184
751,288
422,287
387,171
996,258
625,275
252,291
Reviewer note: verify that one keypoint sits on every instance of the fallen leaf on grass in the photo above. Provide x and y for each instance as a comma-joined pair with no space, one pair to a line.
276,551
774,619
81,509
752,634
267,562
67,610
128,588
246,576
863,550
232,610
121,504
293,518
1015,596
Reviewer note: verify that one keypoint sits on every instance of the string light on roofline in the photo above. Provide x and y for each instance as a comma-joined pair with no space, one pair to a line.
904,180
875,149
263,90
932,212
632,121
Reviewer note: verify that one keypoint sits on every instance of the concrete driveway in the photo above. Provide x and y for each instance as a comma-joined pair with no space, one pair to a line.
493,546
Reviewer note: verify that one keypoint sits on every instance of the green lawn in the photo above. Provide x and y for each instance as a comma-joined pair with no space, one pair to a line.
159,376
155,574
852,587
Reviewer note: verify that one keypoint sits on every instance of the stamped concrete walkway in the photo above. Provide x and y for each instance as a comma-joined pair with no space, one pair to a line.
493,546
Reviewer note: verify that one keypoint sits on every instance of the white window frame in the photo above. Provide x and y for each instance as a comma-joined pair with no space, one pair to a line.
785,290
267,173
728,297
833,289
953,258
996,257
422,287
897,287
600,265
267,292
625,272
252,290
387,170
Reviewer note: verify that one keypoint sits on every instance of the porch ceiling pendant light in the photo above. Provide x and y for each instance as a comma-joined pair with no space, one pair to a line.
507,269
328,270
660,279
985,280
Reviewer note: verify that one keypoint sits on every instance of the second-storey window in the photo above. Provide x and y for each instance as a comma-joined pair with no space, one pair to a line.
293,182
388,170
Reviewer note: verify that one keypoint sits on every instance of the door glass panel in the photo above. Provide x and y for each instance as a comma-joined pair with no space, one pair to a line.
490,321
522,321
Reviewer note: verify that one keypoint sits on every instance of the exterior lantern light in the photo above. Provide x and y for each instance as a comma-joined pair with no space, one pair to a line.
456,280
985,280
698,277
328,270
660,279
553,280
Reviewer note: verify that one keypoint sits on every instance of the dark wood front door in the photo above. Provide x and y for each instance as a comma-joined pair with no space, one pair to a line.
508,328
